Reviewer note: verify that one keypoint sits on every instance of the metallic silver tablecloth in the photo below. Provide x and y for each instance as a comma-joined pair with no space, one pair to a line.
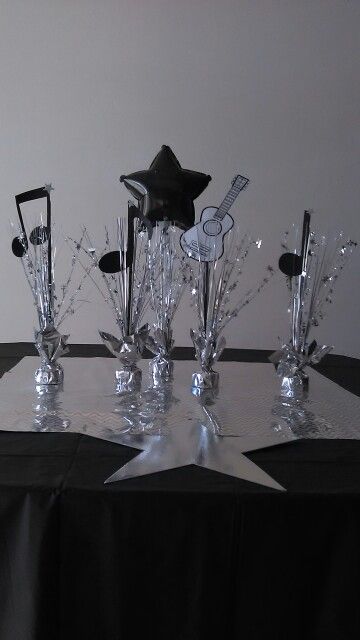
248,403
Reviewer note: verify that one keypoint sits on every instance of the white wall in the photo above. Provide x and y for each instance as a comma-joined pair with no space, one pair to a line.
90,89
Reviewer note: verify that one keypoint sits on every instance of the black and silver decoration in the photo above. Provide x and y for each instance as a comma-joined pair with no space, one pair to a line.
36,250
214,288
123,268
312,270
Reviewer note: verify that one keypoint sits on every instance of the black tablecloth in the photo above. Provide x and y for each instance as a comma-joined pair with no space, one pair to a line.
183,555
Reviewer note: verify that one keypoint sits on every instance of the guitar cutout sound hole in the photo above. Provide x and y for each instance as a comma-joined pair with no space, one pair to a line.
212,227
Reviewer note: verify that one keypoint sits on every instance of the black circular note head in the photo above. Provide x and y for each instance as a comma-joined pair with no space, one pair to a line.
110,262
39,235
18,247
290,264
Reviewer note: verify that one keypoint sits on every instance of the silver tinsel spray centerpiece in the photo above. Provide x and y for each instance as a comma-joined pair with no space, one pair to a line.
215,292
124,286
168,275
312,267
37,251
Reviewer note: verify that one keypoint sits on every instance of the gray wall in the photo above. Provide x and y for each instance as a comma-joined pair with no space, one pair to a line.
90,89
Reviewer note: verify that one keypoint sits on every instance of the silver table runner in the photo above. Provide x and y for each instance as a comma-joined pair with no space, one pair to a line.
248,403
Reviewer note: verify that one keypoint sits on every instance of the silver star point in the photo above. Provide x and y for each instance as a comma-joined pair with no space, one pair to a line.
195,444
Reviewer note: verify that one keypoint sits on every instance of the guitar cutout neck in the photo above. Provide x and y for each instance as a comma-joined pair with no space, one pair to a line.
239,184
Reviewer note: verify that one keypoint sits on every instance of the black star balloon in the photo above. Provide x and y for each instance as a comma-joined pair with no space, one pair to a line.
166,190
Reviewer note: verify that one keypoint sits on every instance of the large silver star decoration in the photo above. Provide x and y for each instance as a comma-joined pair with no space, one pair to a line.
195,444
49,187
169,427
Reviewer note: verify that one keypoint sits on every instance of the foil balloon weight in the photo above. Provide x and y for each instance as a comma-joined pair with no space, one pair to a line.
312,270
208,349
128,351
161,343
51,345
166,191
36,250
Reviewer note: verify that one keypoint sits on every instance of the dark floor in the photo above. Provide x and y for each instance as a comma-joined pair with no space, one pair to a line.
343,370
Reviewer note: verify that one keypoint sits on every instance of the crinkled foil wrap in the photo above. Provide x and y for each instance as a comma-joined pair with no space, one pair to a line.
208,349
128,351
161,343
128,379
162,370
290,367
205,380
50,345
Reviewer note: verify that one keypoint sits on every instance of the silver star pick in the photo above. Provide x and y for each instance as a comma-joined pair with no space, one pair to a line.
48,187
196,444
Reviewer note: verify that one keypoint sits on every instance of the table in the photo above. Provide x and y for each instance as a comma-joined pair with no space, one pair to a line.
187,554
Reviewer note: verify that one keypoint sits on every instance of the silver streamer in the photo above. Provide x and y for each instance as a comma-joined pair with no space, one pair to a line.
322,260
168,275
214,288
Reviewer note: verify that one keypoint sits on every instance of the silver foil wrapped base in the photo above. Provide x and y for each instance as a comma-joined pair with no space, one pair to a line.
128,350
205,380
294,386
128,380
290,367
161,370
208,349
161,344
51,345
49,373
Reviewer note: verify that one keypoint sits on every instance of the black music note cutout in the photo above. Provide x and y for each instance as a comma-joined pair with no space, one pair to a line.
110,262
19,247
41,233
292,264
